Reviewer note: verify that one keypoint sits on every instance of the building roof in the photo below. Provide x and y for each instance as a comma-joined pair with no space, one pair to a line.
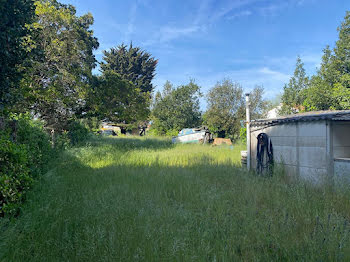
335,115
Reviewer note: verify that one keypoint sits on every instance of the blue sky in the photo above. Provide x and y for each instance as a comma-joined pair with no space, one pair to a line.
252,42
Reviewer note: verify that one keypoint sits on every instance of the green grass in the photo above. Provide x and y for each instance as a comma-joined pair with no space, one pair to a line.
146,200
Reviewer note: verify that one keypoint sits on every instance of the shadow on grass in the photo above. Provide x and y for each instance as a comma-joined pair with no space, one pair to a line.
129,143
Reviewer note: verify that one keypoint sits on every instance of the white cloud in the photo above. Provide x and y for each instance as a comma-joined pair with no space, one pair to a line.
228,7
168,33
207,14
240,14
283,63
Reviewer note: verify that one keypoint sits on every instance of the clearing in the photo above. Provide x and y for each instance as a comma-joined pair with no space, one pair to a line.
146,199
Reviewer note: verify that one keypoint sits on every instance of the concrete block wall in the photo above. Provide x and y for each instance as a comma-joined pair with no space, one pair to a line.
342,170
300,146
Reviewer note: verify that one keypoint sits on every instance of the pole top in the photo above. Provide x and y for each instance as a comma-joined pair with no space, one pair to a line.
247,97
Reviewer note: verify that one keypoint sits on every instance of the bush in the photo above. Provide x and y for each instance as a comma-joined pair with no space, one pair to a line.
36,140
21,161
62,141
243,134
27,158
15,178
77,133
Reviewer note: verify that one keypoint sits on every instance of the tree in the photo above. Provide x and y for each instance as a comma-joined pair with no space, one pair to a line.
116,99
330,87
318,96
340,63
135,66
293,93
15,14
57,81
176,108
258,105
225,108
132,64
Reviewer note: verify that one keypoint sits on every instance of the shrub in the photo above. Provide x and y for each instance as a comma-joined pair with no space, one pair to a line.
77,133
243,134
15,178
32,135
172,132
21,161
62,141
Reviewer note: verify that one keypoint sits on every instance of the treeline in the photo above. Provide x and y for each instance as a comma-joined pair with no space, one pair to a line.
49,93
175,108
47,61
329,88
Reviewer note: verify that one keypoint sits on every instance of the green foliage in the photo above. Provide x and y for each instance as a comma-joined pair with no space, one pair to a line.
21,162
77,133
117,100
15,14
62,141
176,108
226,107
56,82
124,91
294,93
32,135
329,89
132,64
243,134
15,179
258,105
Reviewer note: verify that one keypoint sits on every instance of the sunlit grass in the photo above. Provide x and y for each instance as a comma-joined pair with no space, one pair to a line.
181,155
143,199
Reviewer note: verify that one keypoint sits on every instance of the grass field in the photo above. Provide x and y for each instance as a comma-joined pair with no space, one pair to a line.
137,199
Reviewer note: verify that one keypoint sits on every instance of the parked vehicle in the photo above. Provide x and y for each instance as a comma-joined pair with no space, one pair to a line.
193,135
108,132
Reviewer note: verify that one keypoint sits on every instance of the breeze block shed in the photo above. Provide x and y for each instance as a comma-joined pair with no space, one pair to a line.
314,146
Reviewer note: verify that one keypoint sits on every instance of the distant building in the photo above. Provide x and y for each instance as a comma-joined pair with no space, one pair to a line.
273,113
314,145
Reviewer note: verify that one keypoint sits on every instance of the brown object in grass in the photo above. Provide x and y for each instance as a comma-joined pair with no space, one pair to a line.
220,141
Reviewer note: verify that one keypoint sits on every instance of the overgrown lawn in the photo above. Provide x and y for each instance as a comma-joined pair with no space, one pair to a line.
122,199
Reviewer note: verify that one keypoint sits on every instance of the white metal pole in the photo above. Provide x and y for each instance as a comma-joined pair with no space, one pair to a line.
247,111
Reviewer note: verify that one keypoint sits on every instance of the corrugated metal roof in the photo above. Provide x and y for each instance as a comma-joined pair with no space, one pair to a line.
335,115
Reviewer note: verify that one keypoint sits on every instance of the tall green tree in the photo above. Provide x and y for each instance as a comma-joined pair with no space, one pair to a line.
176,108
116,99
318,96
137,67
132,64
258,105
58,79
225,108
15,14
330,87
293,92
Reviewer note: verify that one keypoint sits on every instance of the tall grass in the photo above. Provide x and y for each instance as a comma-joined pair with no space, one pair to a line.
147,200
